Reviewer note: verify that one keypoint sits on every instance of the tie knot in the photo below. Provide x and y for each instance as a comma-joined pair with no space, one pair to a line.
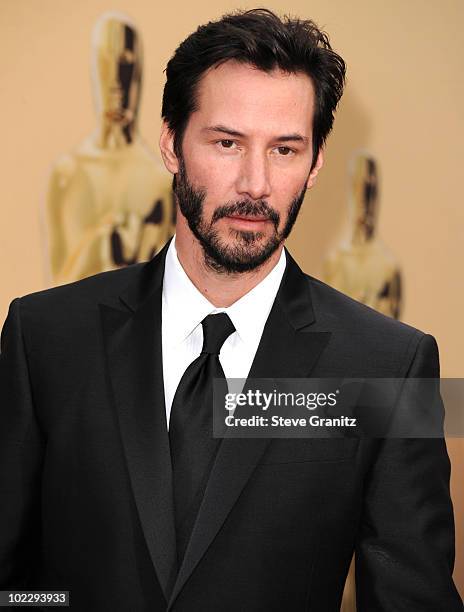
216,329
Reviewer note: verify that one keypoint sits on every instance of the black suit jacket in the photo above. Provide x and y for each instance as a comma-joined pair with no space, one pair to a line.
85,481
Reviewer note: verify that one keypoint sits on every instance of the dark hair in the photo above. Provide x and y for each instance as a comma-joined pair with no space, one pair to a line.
260,38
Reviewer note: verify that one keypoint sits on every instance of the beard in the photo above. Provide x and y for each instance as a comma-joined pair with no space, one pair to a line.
249,249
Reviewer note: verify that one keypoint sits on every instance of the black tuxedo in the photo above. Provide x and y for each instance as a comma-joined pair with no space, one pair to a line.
85,478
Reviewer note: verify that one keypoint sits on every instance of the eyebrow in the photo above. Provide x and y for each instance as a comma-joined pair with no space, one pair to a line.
284,138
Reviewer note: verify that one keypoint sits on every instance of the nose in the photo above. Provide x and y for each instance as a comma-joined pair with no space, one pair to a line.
253,179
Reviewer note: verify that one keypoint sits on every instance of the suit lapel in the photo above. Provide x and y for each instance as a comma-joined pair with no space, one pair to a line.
289,348
132,336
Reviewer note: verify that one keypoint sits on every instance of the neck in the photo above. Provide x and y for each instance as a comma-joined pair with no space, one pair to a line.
360,235
112,135
221,289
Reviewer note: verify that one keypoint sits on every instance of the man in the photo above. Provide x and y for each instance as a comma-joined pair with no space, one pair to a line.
116,489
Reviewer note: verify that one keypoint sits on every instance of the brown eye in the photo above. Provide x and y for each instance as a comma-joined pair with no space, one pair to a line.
227,144
284,150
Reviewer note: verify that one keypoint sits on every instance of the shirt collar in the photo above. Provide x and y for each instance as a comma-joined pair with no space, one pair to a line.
186,307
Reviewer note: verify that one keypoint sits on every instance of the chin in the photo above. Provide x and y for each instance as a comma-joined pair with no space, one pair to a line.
246,237
244,250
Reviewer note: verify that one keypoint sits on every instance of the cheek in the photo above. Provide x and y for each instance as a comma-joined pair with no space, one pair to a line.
285,191
293,184
288,179
218,179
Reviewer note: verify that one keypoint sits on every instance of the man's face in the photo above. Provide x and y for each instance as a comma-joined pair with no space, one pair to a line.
245,163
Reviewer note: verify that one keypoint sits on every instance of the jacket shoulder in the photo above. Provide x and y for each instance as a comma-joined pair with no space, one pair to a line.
70,309
334,307
364,337
90,290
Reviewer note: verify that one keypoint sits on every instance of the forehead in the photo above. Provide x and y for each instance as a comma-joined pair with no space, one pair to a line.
252,100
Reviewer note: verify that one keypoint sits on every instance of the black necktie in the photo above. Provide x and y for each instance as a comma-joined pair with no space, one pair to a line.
193,447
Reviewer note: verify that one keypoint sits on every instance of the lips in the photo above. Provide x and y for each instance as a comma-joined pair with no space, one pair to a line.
248,218
248,223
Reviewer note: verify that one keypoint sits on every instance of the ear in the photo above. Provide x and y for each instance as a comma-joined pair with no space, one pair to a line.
166,144
312,177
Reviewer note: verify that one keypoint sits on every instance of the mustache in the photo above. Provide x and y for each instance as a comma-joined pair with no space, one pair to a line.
246,208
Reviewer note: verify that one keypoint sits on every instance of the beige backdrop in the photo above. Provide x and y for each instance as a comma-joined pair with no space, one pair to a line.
403,102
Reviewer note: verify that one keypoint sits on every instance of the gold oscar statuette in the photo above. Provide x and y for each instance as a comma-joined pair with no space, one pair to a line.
363,267
109,201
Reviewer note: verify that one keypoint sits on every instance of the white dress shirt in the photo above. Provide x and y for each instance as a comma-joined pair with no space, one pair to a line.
183,310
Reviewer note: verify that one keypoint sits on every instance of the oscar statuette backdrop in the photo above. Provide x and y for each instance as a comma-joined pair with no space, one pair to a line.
109,201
